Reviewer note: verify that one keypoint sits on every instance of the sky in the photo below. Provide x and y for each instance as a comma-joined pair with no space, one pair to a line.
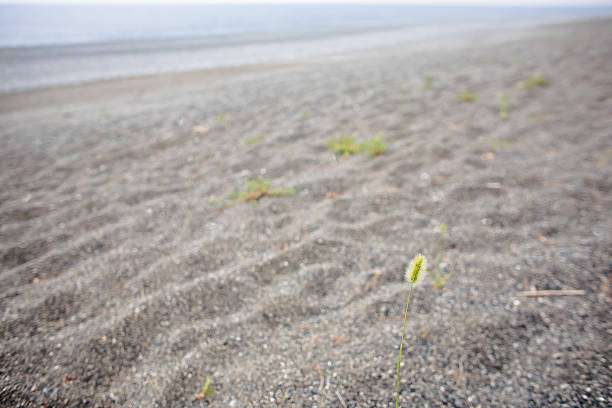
425,2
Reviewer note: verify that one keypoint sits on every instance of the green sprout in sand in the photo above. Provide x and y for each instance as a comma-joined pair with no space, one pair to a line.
254,190
250,141
535,82
494,143
603,159
220,119
373,147
466,97
343,145
206,391
503,105
346,146
414,274
436,273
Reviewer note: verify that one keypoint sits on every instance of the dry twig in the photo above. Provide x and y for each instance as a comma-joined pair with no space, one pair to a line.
537,293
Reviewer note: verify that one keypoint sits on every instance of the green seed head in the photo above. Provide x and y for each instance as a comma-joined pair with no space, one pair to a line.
416,270
443,228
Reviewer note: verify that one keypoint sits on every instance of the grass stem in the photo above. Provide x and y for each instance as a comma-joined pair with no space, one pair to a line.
399,358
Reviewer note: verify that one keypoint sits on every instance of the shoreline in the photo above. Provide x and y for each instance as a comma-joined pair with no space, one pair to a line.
102,90
32,68
155,83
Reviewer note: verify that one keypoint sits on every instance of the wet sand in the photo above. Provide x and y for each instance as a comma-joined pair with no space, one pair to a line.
122,286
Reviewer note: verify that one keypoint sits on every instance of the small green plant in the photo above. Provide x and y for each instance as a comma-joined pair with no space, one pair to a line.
305,113
414,274
437,273
428,82
494,143
250,141
535,82
254,190
503,105
206,391
373,147
220,119
347,145
603,159
343,145
466,97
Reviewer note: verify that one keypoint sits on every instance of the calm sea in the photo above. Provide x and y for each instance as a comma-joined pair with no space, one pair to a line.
40,25
46,45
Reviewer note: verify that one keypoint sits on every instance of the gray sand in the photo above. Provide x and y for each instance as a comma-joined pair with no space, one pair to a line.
122,286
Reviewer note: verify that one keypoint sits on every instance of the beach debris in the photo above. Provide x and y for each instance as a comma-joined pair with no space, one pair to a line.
321,377
563,292
372,281
200,129
341,399
206,391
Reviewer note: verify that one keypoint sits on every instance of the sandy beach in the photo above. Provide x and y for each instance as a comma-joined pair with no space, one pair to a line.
122,285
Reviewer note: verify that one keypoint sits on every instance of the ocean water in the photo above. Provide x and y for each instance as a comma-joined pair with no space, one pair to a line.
43,25
47,45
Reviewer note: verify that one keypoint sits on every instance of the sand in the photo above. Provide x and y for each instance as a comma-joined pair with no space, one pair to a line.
123,286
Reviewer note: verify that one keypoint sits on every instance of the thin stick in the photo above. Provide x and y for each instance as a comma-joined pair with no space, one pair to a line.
321,378
399,358
568,292
341,399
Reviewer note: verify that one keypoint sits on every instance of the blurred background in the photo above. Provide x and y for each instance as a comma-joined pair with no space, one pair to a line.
45,44
131,272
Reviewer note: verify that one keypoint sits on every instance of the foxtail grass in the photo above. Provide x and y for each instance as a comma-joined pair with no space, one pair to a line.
414,274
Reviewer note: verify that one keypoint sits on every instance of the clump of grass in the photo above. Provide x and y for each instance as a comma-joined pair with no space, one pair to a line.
220,119
414,274
428,82
373,147
437,273
250,141
503,105
206,391
466,97
535,82
603,159
348,145
343,145
254,190
494,143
